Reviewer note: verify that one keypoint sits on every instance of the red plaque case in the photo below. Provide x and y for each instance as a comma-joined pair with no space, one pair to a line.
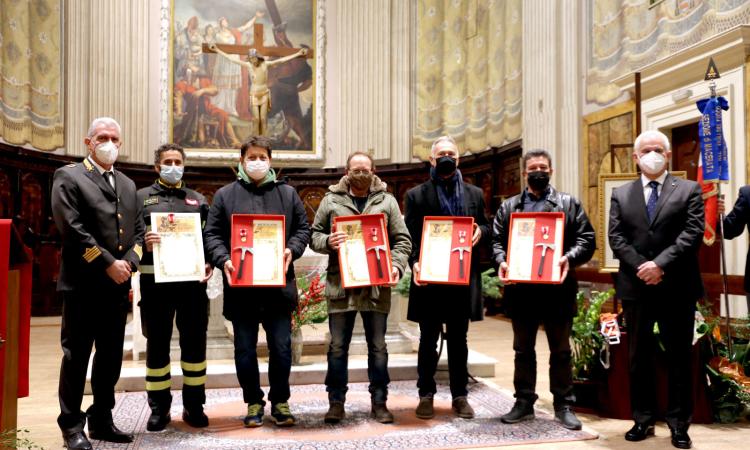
365,257
445,250
540,235
258,237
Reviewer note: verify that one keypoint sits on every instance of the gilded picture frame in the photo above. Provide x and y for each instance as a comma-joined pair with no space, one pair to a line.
211,126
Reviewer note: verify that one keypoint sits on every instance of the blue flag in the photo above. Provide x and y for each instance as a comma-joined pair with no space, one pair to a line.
711,134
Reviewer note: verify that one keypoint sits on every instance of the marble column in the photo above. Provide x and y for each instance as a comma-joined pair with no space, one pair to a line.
552,83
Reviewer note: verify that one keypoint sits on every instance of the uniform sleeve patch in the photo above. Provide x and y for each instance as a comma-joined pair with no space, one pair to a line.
191,202
151,201
91,253
138,250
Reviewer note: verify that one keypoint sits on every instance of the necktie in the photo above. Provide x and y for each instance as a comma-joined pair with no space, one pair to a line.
108,177
652,199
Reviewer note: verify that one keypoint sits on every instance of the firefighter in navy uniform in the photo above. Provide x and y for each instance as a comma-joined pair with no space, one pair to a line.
96,211
160,302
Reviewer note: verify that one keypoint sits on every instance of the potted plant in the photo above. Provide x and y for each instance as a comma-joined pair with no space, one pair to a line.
587,341
311,309
729,383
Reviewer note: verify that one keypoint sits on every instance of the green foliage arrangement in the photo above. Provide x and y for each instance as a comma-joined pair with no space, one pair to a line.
586,336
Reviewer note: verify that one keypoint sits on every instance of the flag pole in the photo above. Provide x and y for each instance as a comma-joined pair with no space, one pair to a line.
725,281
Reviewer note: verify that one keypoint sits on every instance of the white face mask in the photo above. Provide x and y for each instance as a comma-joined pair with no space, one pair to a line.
652,163
106,152
257,169
171,174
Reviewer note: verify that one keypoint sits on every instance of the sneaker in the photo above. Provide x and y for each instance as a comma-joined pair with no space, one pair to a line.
254,417
567,418
522,410
195,417
335,413
281,415
462,408
425,408
158,421
380,413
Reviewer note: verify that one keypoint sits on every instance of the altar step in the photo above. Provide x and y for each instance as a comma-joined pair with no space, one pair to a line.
312,370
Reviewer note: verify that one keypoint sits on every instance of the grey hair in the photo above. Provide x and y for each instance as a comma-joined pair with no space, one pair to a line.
107,121
651,133
446,138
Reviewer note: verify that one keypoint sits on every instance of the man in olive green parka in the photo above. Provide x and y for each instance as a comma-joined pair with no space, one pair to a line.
358,192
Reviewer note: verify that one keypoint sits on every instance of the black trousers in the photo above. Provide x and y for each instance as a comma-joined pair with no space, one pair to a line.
676,334
557,328
160,304
90,318
458,355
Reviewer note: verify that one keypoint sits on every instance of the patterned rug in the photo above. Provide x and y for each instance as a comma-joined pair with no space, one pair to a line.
309,403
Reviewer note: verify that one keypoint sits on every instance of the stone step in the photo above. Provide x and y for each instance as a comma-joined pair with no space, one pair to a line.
312,370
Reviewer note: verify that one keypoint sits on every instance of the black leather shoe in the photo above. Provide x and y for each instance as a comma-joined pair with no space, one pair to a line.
680,438
158,421
77,440
110,433
567,418
522,410
196,418
639,432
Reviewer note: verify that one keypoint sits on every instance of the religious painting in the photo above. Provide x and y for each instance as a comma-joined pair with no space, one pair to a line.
259,81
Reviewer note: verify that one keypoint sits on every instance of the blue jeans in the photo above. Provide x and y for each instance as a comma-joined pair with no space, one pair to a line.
341,326
279,336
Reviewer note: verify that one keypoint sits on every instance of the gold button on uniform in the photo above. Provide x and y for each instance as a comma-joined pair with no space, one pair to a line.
119,216
119,247
121,232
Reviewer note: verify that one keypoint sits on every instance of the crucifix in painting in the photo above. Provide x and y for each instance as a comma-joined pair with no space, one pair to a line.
257,66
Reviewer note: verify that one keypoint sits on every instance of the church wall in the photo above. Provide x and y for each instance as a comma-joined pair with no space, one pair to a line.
117,65
112,69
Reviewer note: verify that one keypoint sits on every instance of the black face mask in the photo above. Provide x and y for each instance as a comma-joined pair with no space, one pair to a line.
538,180
445,165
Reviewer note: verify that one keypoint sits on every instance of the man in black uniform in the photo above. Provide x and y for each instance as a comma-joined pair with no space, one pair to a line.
160,302
96,211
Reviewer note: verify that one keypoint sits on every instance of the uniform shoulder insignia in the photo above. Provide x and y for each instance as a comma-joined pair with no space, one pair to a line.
70,165
91,253
151,201
89,166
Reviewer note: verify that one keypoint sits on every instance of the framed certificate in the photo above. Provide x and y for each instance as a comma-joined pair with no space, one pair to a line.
535,245
365,255
445,252
179,255
258,243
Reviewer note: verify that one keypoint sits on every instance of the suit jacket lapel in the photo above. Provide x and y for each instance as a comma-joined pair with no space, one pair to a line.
431,197
669,186
636,193
99,180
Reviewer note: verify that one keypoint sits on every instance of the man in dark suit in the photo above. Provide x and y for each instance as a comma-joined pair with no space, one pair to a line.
444,194
553,305
734,225
655,229
95,209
